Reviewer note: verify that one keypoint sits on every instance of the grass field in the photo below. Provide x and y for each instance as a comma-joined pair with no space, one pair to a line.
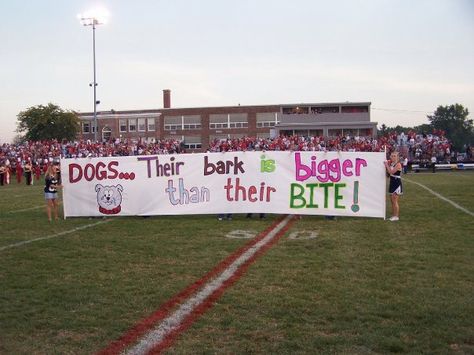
361,286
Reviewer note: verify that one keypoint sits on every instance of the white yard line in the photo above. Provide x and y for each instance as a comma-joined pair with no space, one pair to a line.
441,197
14,245
22,195
27,209
173,322
30,208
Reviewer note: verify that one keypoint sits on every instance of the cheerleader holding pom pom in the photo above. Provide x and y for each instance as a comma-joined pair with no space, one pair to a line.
394,169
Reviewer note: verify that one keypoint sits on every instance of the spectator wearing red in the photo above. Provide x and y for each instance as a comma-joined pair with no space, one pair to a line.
19,171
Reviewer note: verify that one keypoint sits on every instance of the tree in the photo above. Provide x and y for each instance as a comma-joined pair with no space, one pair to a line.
383,129
48,122
424,128
454,121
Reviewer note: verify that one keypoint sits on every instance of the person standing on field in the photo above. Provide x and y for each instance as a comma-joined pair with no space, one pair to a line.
405,165
433,163
51,180
19,171
28,173
37,170
394,169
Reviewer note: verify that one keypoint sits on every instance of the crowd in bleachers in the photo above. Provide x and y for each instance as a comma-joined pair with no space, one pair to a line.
49,150
300,143
418,148
422,147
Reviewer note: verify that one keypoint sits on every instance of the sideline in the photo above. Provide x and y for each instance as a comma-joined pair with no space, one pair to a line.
441,197
158,331
54,235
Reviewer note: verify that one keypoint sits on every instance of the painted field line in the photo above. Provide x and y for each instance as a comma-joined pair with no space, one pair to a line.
158,331
27,209
23,195
60,234
441,197
30,208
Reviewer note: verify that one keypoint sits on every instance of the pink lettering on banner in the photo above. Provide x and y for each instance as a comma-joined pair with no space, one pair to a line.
327,170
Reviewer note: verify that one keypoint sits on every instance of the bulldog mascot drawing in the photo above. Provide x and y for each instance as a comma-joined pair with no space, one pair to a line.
109,198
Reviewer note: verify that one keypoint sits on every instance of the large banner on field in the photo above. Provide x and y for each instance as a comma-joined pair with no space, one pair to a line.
315,183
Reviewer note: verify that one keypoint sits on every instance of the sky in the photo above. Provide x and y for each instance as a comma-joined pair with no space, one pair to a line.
406,57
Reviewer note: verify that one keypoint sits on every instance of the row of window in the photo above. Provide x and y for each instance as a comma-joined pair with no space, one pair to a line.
291,110
133,127
190,122
126,125
335,132
88,127
137,125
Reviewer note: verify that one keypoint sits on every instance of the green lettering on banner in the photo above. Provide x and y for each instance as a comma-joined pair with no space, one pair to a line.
297,199
298,196
337,196
311,196
326,186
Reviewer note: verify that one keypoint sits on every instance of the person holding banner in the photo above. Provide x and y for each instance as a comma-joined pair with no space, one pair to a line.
394,169
51,179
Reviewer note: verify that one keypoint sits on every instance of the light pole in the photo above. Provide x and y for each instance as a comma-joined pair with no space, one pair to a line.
94,18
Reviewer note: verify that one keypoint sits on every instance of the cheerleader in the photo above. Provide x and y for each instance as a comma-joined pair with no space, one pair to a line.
52,183
394,169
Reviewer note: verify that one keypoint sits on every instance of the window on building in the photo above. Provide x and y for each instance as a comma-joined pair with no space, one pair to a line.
192,142
324,109
267,119
295,110
217,121
132,124
151,124
86,127
106,133
123,125
191,122
141,124
355,109
233,120
238,120
173,123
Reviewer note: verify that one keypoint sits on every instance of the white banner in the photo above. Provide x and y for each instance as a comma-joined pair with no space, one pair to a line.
315,183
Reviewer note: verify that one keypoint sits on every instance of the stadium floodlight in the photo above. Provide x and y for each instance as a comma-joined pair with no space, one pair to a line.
98,16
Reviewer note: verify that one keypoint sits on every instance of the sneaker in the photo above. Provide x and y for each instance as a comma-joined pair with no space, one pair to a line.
393,219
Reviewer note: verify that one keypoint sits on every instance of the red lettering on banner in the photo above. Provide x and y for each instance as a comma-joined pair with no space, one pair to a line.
99,171
237,192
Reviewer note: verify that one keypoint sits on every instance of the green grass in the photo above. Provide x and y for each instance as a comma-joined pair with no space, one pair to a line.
362,286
